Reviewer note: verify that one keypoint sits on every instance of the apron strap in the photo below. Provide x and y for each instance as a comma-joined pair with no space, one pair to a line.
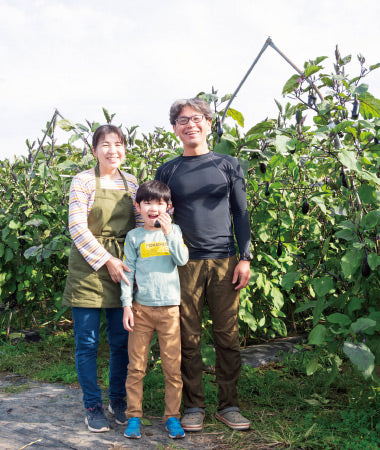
97,178
124,181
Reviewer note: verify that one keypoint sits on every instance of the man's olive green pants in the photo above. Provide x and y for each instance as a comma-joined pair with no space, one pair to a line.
209,280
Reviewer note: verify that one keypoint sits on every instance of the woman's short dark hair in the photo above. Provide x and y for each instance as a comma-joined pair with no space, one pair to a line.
107,129
198,104
153,190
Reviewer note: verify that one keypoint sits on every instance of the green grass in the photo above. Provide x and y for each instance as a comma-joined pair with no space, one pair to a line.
287,409
297,411
16,389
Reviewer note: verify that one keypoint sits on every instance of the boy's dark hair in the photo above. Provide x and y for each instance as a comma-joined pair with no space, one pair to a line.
107,129
153,190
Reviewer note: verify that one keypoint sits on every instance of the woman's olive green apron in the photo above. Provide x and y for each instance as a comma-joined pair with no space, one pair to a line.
110,219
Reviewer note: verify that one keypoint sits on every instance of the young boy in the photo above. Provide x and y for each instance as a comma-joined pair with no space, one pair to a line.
153,253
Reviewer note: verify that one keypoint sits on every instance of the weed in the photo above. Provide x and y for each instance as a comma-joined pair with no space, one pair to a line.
59,372
15,389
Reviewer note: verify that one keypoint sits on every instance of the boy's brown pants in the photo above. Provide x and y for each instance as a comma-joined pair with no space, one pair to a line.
165,320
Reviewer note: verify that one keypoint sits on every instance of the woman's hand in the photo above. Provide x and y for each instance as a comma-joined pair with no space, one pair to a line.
128,321
116,269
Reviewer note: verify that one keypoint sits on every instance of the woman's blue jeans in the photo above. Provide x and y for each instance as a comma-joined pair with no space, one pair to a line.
86,332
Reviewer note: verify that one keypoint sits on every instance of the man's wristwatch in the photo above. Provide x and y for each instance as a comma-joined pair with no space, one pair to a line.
246,257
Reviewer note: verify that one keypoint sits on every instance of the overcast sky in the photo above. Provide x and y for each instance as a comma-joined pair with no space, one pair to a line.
136,57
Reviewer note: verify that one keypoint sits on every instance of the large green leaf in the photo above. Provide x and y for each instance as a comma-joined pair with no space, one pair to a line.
374,66
371,219
236,115
323,286
375,315
261,281
362,324
225,147
8,255
361,356
351,262
348,159
367,193
354,304
345,234
373,260
305,306
311,68
320,306
369,106
66,125
338,318
248,318
284,144
13,242
312,367
289,279
279,326
36,222
32,251
14,225
291,84
361,89
319,59
324,107
368,176
317,335
278,298
320,203
263,233
261,127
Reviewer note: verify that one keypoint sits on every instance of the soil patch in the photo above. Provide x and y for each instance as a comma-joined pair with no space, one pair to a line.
35,415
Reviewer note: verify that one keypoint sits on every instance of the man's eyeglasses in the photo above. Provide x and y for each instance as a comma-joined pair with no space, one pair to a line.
183,120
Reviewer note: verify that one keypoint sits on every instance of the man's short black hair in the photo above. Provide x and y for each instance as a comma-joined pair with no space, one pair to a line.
196,103
153,190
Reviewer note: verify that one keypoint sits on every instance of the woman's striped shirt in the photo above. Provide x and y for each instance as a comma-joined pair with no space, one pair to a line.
82,196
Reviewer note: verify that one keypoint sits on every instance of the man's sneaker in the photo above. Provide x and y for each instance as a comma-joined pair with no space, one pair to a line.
133,428
173,425
96,420
232,418
192,419
117,408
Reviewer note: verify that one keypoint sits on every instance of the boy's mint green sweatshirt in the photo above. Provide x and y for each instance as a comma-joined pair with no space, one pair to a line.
153,259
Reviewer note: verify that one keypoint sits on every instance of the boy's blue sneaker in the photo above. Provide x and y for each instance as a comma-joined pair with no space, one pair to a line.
173,425
133,428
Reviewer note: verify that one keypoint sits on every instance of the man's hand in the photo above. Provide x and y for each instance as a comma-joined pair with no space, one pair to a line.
165,222
116,269
242,274
128,321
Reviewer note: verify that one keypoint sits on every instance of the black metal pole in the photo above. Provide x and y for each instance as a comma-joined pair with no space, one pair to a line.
270,43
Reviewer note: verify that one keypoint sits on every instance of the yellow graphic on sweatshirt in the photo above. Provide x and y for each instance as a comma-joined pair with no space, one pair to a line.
154,249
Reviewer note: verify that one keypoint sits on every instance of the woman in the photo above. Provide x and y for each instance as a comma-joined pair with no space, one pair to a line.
101,213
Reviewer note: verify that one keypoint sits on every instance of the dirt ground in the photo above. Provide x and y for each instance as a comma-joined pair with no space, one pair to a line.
36,415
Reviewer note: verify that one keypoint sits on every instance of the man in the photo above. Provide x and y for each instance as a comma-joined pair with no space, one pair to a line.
207,188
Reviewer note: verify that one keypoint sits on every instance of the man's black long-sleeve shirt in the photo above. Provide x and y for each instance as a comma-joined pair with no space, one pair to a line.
206,191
